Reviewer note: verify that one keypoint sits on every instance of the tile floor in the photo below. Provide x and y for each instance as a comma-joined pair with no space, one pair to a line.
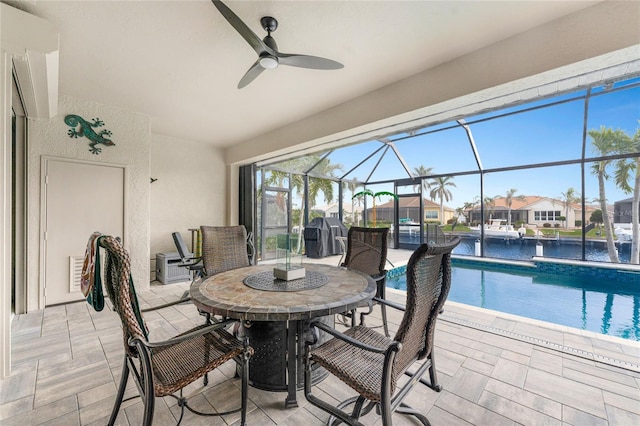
495,369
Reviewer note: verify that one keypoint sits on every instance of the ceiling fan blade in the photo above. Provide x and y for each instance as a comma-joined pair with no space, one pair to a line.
251,74
306,61
254,41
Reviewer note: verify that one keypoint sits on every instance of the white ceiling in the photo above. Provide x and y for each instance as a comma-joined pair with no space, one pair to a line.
179,62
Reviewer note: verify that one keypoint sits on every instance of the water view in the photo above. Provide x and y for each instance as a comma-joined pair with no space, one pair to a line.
526,249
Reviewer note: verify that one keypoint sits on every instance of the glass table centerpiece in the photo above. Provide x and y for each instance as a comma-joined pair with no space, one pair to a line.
289,257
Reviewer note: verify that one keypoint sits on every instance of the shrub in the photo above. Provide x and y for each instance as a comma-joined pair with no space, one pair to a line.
546,225
556,225
578,223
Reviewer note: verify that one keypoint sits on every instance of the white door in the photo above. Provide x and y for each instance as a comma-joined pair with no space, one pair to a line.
80,198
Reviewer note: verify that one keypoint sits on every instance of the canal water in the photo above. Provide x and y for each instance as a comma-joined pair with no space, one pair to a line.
525,249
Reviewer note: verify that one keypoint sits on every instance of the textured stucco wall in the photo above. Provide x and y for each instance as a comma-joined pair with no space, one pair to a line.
131,135
190,190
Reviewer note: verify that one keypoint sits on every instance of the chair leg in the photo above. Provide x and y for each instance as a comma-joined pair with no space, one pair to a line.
358,410
433,375
382,294
385,413
207,321
121,388
146,387
245,384
405,409
336,414
383,309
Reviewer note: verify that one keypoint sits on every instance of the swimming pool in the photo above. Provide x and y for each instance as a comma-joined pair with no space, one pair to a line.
572,301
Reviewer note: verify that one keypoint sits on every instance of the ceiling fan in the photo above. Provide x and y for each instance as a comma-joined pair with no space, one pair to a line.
268,55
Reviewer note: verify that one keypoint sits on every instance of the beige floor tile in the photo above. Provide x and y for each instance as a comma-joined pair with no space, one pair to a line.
478,366
470,412
510,372
517,412
549,362
17,386
468,384
62,385
603,383
575,394
618,416
575,417
438,416
629,404
72,356
16,407
535,402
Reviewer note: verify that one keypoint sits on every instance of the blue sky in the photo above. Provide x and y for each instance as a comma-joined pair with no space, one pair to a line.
543,135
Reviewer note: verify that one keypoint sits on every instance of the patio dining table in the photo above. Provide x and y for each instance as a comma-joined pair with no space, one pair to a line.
275,315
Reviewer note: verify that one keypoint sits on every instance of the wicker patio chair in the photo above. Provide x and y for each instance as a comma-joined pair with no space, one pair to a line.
166,367
371,363
367,252
225,248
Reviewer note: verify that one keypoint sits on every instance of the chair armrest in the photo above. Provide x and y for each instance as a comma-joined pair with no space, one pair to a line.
190,261
378,278
390,304
198,331
341,336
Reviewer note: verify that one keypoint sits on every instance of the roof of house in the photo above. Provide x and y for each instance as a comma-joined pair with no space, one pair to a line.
626,200
347,207
526,201
408,202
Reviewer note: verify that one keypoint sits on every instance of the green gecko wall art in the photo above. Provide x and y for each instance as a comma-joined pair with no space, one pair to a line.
86,129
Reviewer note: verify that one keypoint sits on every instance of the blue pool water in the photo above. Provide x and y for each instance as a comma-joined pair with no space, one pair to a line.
578,303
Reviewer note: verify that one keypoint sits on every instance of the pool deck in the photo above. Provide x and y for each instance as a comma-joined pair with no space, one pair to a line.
495,369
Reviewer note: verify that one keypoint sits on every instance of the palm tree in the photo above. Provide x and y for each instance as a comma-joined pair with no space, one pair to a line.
374,196
352,186
605,142
317,185
278,178
467,208
489,204
441,192
423,171
624,169
509,200
569,198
